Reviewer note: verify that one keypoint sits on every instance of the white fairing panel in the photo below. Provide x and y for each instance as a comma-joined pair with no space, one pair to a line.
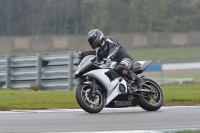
112,87
116,91
99,74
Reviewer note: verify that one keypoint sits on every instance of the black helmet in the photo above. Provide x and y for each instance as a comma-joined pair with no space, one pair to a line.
94,38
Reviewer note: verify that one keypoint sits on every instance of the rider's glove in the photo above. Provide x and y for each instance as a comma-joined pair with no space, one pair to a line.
106,61
97,63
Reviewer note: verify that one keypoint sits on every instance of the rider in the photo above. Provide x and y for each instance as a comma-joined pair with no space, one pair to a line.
113,50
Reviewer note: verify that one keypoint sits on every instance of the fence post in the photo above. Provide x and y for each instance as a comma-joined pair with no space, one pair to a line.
70,73
8,63
38,69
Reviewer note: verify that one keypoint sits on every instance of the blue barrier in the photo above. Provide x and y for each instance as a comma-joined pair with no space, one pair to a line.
154,67
173,66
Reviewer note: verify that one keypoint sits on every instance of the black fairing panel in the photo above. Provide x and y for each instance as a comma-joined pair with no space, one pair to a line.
112,75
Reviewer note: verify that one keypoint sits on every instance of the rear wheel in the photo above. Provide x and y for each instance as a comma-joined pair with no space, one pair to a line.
151,101
85,100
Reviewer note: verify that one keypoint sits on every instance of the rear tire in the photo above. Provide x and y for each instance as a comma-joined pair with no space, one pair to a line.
157,98
83,93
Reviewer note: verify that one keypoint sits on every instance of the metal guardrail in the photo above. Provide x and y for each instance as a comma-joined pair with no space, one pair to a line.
47,71
55,70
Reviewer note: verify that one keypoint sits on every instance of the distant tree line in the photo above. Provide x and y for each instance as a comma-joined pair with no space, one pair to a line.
60,17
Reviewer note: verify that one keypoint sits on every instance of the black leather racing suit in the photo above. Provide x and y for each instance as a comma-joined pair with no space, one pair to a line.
113,50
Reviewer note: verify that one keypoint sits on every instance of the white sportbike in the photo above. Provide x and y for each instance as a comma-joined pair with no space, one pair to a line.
101,86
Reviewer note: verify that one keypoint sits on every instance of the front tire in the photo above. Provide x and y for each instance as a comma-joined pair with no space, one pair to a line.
83,97
151,102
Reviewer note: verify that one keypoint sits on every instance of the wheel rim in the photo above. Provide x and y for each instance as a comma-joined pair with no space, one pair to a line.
86,93
155,98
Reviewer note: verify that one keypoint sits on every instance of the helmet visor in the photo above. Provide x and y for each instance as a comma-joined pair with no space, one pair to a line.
91,41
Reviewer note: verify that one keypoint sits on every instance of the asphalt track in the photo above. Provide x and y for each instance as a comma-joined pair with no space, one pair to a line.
76,120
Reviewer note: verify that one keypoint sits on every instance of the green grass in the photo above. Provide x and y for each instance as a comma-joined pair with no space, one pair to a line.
181,95
188,131
173,54
29,99
195,77
167,55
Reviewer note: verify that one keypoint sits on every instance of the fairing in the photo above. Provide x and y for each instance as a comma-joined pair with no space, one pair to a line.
112,87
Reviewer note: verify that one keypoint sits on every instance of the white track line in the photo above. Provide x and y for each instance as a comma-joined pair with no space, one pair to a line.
138,131
79,110
131,131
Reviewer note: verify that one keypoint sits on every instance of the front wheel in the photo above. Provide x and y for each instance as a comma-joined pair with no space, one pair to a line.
86,102
151,101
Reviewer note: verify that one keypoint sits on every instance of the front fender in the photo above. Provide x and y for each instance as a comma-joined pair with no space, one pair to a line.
89,83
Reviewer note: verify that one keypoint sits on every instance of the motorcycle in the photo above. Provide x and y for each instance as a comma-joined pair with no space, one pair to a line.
101,86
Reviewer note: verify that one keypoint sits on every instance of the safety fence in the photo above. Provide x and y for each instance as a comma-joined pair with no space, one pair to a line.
46,71
55,70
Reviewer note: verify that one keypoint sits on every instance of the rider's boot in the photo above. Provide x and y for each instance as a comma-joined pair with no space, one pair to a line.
135,82
138,82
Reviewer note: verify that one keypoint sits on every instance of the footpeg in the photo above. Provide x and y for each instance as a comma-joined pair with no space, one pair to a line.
132,90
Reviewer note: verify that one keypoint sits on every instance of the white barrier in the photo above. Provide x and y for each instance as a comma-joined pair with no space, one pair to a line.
180,66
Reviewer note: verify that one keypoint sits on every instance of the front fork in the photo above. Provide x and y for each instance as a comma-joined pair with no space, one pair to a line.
93,88
92,85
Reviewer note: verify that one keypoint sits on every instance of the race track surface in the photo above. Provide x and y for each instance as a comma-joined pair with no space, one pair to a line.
76,120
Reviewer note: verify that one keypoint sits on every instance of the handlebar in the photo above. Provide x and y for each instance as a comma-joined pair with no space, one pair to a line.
103,62
97,63
106,64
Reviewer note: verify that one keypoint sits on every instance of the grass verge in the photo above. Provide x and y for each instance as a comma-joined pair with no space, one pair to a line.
167,55
181,95
29,99
198,131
